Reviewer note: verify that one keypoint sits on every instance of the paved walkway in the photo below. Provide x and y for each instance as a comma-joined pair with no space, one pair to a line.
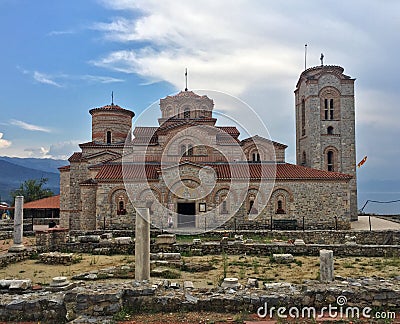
376,224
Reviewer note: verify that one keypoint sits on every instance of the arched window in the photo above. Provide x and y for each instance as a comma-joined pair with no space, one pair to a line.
279,209
304,159
183,150
330,160
186,113
329,109
224,208
190,150
121,205
303,117
256,157
108,137
330,130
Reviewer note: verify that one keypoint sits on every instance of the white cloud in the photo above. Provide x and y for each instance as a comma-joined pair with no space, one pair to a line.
28,126
61,32
37,152
257,43
3,142
61,79
45,79
100,79
63,150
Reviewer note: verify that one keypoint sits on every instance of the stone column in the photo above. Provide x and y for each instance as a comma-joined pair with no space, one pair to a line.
326,265
18,225
142,244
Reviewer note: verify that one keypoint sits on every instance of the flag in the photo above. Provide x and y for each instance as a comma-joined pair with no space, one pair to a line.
362,162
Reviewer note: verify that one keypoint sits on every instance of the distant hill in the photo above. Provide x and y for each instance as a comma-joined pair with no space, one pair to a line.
14,171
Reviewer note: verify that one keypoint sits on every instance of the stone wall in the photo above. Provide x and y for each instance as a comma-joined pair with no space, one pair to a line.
11,258
99,302
383,237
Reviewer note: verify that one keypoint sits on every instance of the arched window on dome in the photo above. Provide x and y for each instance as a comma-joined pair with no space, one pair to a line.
256,157
190,150
108,137
186,113
183,150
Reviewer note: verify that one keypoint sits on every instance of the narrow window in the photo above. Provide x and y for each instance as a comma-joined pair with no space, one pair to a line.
330,130
255,157
224,209
279,209
183,150
186,113
304,159
108,137
190,150
330,161
121,205
303,118
331,109
326,108
251,204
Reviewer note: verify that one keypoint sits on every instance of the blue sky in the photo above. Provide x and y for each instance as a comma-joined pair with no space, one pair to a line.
61,58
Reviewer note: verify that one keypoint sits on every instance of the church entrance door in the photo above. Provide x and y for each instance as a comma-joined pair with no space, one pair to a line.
186,215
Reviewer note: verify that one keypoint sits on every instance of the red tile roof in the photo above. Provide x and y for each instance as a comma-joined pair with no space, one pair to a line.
112,108
99,145
45,203
231,130
64,168
130,171
280,171
257,137
76,157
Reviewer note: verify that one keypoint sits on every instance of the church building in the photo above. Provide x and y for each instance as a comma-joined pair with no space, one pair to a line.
193,175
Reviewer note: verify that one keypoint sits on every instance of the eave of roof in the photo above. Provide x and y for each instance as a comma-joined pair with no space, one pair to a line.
45,203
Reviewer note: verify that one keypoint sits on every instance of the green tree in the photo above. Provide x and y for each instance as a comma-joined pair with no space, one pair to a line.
32,189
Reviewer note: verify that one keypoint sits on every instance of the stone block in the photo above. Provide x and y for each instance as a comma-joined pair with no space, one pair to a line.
231,283
299,242
196,241
188,285
20,284
123,240
89,239
283,258
166,239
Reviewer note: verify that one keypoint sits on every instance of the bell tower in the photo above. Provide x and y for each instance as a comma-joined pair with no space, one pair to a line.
325,124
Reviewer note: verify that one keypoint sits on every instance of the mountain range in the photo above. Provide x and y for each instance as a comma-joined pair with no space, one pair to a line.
14,171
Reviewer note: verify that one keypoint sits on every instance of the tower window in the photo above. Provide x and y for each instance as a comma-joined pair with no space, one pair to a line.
108,137
330,130
326,108
304,159
329,156
329,109
303,118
